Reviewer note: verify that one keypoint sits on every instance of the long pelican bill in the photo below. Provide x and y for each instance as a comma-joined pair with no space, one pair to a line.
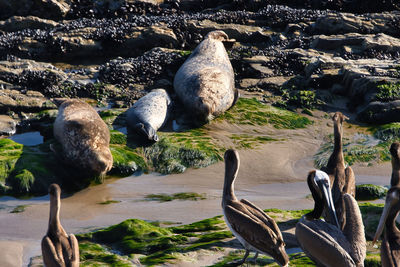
327,195
388,206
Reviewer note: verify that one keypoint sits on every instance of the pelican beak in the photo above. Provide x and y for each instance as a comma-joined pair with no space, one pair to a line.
327,195
390,201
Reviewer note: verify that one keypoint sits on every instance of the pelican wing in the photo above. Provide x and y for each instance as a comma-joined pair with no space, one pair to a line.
324,243
263,217
251,229
74,249
50,256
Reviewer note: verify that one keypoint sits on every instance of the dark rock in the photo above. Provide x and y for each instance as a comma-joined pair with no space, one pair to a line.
53,9
370,192
380,112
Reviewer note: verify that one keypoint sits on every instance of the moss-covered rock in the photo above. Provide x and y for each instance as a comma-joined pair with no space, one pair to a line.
253,112
153,245
113,116
136,236
387,132
92,254
27,170
370,192
126,161
177,151
117,138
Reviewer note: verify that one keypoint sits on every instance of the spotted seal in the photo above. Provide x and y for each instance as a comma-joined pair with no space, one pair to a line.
148,114
84,137
205,82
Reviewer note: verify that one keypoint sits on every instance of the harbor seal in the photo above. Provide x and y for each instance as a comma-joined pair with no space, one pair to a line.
205,82
148,114
84,137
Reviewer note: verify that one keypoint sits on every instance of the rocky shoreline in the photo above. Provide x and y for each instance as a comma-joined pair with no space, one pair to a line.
111,53
289,57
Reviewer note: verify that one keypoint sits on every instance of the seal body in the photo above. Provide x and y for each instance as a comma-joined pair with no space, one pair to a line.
205,82
84,137
148,114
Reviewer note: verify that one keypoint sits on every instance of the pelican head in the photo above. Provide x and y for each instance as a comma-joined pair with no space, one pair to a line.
54,190
319,184
232,162
395,151
339,117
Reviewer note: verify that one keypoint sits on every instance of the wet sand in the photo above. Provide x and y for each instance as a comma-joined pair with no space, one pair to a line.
271,176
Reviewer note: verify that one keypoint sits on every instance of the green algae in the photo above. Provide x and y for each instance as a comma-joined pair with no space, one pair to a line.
157,245
153,245
117,138
232,259
360,148
180,196
211,224
177,151
92,254
135,236
253,112
388,132
250,141
113,116
388,92
371,214
107,202
370,192
19,209
126,161
25,170
372,260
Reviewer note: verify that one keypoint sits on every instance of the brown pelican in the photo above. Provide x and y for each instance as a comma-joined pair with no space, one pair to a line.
395,152
323,242
255,230
341,178
390,248
58,248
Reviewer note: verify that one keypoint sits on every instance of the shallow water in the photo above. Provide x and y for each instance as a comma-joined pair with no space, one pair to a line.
28,138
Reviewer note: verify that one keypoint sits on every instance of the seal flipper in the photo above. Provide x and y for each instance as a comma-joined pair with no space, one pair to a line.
145,130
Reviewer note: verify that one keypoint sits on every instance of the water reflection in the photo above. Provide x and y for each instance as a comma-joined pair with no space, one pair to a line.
28,139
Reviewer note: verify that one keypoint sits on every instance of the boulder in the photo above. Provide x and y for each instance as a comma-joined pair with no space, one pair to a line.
380,112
